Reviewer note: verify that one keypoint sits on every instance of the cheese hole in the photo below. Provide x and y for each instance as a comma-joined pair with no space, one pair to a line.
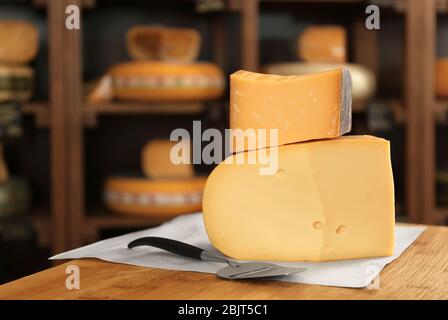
340,229
280,173
318,225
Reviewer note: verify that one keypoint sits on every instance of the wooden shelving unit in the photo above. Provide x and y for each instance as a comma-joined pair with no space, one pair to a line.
74,222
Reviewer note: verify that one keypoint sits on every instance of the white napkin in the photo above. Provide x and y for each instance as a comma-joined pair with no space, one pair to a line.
357,273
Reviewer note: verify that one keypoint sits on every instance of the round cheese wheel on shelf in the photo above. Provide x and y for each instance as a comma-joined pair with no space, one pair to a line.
166,82
19,41
161,198
15,197
162,43
323,44
363,79
16,82
442,77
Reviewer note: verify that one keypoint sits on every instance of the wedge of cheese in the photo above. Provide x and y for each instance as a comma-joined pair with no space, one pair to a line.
162,43
312,106
157,162
363,79
328,200
19,41
323,44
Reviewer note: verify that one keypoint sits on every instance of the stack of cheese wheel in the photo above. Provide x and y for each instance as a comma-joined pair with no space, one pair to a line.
167,190
298,190
19,42
164,69
323,48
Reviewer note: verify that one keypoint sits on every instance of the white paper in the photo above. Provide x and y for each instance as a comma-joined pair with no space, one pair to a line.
357,273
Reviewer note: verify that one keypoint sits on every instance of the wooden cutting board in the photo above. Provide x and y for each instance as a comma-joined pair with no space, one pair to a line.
421,272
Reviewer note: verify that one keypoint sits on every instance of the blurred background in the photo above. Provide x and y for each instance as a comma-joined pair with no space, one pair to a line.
86,114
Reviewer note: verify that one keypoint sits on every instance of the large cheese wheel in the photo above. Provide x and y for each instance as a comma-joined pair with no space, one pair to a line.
19,41
159,81
16,82
157,162
323,44
160,198
165,44
15,197
363,79
442,77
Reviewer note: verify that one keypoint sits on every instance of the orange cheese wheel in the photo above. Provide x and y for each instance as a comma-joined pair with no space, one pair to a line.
323,44
165,82
19,41
157,162
442,77
161,198
16,82
165,44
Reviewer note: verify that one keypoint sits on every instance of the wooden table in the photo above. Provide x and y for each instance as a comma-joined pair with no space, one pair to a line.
420,273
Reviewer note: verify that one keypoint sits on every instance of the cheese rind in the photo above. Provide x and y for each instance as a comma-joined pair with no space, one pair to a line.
329,200
157,163
301,108
363,79
323,44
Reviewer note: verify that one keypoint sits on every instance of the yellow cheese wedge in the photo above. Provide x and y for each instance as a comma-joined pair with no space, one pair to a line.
157,163
364,81
16,82
329,200
441,81
313,106
162,43
19,41
159,81
323,44
160,198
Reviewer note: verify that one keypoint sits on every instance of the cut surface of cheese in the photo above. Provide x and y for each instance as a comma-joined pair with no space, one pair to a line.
363,79
163,198
162,43
19,41
16,82
441,81
313,106
159,81
323,44
157,162
329,200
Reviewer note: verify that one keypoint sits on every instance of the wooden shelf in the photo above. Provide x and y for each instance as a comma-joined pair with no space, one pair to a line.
40,111
99,218
91,111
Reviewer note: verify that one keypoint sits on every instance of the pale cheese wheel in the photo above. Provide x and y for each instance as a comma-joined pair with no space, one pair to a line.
166,82
442,77
164,44
363,79
157,162
323,44
158,198
16,82
19,41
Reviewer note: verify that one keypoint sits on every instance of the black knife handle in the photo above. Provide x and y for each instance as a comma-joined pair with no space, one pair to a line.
172,246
